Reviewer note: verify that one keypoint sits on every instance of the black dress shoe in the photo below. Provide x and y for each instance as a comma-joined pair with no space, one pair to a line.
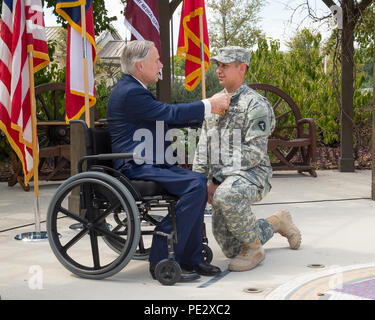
186,276
204,269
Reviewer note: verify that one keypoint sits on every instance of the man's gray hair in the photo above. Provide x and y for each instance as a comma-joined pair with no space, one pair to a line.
134,51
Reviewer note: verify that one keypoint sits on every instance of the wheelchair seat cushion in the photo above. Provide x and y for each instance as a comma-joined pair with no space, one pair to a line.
148,188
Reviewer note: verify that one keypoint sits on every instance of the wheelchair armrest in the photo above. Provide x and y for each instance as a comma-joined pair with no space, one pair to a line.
107,156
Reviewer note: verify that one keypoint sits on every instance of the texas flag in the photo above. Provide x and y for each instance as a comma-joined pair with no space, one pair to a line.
70,10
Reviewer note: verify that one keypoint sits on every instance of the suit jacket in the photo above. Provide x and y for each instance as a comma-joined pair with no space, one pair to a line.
136,118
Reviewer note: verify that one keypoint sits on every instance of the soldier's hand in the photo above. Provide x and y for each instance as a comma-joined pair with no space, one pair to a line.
211,191
219,103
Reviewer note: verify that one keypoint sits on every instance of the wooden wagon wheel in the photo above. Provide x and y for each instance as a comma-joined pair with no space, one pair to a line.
289,136
53,132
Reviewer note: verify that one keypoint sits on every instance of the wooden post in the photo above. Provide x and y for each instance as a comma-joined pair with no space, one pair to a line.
346,161
163,86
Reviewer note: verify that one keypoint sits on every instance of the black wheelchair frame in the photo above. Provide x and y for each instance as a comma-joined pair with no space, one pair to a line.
114,216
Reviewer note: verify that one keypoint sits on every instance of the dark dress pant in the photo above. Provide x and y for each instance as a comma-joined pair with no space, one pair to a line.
191,188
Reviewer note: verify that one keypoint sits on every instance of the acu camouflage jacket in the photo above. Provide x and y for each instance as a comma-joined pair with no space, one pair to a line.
236,143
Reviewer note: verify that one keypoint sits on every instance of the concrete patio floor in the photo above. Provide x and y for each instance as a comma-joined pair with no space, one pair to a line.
333,211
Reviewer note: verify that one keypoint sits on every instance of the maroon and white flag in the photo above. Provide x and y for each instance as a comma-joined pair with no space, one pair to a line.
142,19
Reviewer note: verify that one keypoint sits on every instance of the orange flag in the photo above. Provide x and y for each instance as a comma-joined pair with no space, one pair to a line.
189,42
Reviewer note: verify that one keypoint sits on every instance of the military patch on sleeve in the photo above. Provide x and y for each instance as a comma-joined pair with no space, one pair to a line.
262,125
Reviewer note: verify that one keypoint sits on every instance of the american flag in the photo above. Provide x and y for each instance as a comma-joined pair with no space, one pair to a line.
22,32
70,10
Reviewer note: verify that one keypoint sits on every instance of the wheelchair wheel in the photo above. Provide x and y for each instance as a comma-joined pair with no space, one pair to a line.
207,253
103,202
168,272
142,253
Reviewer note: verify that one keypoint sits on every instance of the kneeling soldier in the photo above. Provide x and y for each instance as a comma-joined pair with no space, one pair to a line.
236,185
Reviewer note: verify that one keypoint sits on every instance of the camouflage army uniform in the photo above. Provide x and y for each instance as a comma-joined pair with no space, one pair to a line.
246,182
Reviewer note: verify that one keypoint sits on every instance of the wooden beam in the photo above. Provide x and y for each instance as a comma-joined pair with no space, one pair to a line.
163,87
166,10
173,6
346,161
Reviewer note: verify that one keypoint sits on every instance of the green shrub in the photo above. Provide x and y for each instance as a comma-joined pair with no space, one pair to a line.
181,95
300,73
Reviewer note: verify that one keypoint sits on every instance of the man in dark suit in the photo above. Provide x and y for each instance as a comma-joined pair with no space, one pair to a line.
133,110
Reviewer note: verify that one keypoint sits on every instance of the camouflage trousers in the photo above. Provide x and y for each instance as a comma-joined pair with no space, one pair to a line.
233,222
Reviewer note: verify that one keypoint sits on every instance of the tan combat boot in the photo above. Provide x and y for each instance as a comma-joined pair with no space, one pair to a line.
250,256
282,223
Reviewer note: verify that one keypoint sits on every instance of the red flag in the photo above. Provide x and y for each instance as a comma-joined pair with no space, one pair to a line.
189,42
142,19
70,10
22,31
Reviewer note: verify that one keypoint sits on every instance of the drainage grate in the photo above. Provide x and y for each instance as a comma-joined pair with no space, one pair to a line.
253,290
316,265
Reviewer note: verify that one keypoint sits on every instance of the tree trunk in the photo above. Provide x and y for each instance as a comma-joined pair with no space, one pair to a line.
346,161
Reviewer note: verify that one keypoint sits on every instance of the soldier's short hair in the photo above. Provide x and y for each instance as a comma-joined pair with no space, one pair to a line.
134,51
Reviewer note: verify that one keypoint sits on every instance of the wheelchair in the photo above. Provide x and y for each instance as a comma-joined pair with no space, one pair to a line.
114,217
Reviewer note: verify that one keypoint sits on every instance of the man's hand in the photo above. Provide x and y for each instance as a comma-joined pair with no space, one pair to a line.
219,103
211,191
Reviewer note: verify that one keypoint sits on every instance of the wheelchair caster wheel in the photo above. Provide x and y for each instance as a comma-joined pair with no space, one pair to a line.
168,272
207,253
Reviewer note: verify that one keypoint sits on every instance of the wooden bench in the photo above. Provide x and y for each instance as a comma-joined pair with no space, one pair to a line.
292,145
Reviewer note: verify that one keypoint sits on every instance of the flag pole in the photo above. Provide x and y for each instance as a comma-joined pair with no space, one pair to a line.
37,235
33,125
85,71
202,56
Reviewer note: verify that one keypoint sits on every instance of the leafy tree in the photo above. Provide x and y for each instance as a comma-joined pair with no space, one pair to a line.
179,66
364,37
101,20
300,72
234,23
364,32
369,71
